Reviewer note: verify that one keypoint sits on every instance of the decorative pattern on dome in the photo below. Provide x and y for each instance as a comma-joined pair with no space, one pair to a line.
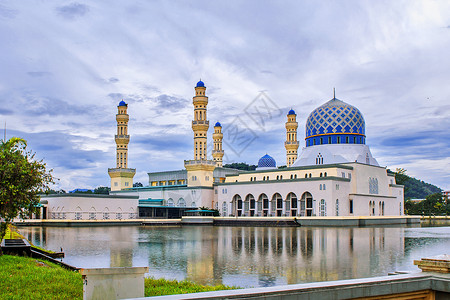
267,161
291,112
335,117
217,124
200,84
122,103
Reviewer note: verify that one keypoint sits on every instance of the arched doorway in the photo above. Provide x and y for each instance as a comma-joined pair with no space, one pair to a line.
306,204
237,205
264,200
249,202
277,204
292,202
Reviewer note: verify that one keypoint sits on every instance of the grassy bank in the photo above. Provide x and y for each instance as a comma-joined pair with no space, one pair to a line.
13,233
29,278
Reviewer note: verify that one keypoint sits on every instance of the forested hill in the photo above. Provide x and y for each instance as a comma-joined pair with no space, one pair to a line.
414,188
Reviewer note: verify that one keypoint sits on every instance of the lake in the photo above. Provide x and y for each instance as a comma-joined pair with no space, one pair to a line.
246,256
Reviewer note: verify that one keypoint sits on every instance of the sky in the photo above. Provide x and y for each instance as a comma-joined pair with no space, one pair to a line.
65,66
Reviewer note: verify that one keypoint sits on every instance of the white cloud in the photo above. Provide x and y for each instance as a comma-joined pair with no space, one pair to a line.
65,67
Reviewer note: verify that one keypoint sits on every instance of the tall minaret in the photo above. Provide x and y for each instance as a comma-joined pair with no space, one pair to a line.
200,170
218,151
200,125
291,143
122,176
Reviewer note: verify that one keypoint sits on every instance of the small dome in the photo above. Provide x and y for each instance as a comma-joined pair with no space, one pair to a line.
267,161
291,112
122,103
200,84
217,124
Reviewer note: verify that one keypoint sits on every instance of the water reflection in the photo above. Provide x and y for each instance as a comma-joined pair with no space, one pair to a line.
246,256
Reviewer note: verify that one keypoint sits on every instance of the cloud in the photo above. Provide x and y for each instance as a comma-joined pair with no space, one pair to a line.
72,11
4,111
7,13
69,76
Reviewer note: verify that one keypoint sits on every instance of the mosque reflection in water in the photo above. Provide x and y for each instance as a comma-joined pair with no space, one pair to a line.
242,256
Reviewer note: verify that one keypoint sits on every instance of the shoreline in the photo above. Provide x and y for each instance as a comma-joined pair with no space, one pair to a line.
245,221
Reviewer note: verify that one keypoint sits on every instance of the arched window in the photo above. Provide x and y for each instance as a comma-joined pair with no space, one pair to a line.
181,202
224,209
170,202
325,174
322,208
337,207
319,159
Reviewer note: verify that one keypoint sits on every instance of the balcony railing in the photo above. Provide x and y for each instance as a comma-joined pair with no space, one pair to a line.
117,170
291,143
199,162
122,136
200,122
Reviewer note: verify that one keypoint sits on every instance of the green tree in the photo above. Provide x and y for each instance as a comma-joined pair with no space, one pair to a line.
22,179
137,184
102,190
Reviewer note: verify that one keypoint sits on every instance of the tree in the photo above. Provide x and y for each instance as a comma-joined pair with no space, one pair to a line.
240,166
137,184
22,179
102,190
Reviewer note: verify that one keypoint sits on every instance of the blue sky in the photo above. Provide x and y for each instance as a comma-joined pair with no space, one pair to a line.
64,66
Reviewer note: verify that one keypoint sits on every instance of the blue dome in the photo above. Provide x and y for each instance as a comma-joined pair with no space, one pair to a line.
200,84
122,103
267,161
217,124
291,112
335,122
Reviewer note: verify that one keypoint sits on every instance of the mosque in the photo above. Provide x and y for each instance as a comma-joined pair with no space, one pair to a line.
334,175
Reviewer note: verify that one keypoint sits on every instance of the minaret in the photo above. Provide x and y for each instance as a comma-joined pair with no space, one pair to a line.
218,151
291,143
122,176
200,125
200,169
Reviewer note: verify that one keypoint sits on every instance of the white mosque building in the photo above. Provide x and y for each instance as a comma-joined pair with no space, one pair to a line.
334,175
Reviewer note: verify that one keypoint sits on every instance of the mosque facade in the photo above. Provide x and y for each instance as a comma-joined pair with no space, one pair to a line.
334,175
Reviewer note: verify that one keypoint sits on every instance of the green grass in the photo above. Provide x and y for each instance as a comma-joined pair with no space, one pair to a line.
29,278
158,287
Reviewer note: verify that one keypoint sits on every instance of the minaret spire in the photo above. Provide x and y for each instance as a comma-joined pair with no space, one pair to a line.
334,93
291,143
200,124
218,151
122,176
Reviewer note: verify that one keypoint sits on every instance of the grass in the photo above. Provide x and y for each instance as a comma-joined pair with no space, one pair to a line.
158,287
29,278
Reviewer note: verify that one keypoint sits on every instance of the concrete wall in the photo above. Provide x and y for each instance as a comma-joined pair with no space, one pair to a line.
90,207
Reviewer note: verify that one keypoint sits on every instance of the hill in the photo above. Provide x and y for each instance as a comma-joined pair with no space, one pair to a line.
414,188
